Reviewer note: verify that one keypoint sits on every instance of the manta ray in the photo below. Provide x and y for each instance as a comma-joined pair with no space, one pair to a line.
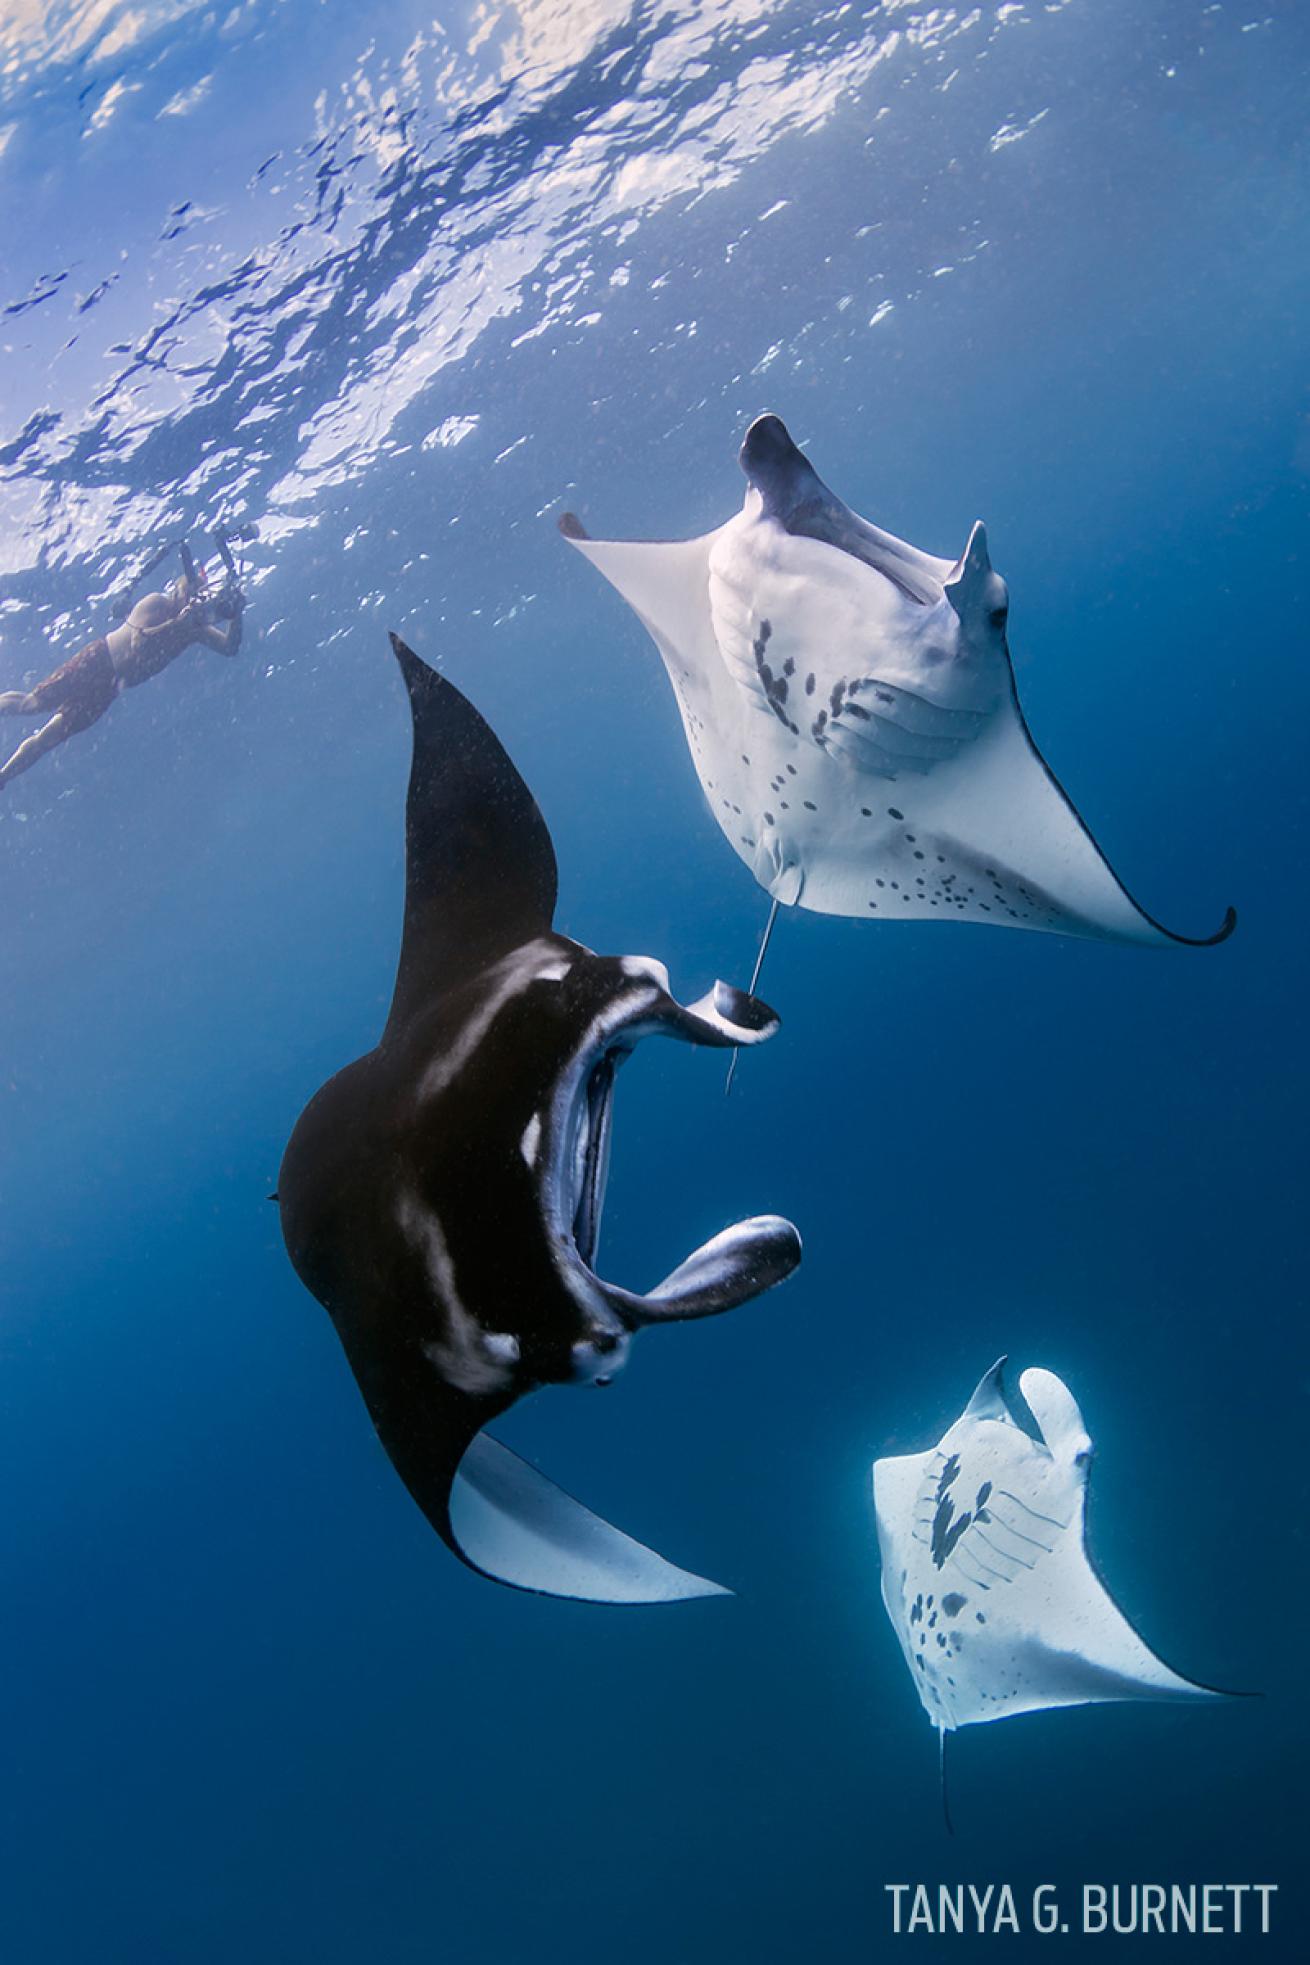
442,1196
985,1571
851,708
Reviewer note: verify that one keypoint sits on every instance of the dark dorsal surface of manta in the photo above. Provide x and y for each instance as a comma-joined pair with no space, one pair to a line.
851,709
442,1196
985,1571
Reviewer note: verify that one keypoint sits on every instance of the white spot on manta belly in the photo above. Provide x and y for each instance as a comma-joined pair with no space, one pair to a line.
467,1357
592,1365
503,982
502,1344
531,1139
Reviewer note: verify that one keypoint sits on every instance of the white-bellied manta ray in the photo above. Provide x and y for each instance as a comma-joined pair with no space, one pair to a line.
985,1571
442,1196
851,709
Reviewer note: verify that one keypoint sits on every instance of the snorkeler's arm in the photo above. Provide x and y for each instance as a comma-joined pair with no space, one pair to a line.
143,637
194,611
224,640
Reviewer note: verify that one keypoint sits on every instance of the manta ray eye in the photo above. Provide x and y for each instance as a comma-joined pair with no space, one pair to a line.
999,616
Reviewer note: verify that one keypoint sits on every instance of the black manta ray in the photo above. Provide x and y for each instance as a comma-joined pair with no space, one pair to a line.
442,1196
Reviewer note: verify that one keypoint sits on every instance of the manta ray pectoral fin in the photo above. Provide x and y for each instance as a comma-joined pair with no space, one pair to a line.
1000,804
1103,1662
896,1482
666,584
480,875
1087,1653
1086,1650
514,1525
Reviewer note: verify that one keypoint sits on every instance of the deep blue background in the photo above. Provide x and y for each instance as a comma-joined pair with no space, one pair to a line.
249,1706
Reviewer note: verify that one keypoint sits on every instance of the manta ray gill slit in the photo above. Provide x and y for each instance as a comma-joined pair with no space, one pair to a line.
578,1179
594,1128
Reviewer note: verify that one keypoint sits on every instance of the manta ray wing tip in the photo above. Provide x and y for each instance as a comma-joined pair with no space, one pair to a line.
1221,933
411,665
702,1586
571,526
1204,1694
419,675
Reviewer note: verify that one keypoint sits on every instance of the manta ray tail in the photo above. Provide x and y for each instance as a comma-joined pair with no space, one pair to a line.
755,976
941,1764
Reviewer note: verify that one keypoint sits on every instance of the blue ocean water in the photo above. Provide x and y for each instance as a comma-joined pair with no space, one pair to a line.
399,289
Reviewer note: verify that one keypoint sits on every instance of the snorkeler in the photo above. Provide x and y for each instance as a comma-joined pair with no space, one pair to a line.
159,628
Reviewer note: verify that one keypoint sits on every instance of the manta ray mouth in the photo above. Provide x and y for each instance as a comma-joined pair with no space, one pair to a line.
738,1263
834,524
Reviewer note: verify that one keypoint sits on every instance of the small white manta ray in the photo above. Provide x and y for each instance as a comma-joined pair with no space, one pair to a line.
851,710
985,1575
